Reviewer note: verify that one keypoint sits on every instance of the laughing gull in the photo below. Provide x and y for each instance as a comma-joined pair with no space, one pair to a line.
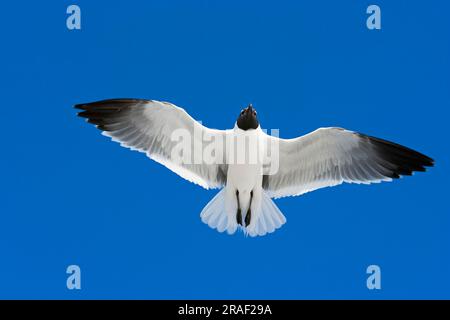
323,158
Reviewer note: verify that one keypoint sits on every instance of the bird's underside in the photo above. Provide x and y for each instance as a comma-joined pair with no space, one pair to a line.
323,158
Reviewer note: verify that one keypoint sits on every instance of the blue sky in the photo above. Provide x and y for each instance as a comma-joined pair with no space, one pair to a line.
70,196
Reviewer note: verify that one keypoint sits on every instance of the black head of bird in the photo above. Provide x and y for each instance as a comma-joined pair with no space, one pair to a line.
248,118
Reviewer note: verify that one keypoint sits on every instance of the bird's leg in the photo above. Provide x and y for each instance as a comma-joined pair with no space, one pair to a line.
238,214
248,216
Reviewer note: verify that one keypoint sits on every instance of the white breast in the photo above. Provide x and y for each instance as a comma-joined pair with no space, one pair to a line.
245,154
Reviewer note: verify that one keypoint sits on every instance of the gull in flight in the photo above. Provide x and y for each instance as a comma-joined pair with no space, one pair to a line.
269,167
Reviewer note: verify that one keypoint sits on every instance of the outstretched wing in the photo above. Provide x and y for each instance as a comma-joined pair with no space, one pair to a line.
331,156
151,127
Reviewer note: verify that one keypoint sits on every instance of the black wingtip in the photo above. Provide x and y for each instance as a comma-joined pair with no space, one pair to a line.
83,107
399,160
80,106
109,103
107,115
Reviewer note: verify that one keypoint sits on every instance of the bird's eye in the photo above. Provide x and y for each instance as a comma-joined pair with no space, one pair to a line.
242,112
254,113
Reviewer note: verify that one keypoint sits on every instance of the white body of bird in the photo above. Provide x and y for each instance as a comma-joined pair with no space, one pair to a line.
243,201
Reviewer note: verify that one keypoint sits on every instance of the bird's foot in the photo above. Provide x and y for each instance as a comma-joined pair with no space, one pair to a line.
239,217
248,218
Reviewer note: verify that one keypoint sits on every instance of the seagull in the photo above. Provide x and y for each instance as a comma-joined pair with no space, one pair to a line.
323,158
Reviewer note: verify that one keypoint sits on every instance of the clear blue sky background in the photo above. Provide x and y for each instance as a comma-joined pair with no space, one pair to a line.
70,196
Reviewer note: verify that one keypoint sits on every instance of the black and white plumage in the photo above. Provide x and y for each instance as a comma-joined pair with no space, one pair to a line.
146,126
330,156
323,158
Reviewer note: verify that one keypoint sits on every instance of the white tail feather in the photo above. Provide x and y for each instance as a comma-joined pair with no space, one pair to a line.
268,220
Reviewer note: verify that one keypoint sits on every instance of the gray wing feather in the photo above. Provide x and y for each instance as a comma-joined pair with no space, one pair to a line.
147,126
330,156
